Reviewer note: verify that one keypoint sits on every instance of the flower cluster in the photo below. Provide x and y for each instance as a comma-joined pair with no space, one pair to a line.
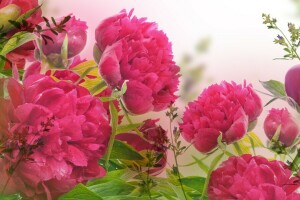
56,129
61,121
225,109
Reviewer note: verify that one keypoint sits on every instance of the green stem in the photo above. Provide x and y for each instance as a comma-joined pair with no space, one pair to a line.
212,167
238,148
288,42
114,124
176,161
128,117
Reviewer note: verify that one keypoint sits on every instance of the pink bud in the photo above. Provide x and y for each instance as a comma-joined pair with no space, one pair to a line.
292,82
77,35
289,129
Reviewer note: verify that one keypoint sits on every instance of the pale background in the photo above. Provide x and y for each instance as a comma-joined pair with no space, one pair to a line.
241,46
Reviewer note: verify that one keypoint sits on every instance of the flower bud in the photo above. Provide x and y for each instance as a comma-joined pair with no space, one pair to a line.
9,12
289,129
292,82
77,35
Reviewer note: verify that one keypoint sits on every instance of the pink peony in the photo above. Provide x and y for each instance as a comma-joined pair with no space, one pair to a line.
251,178
77,36
56,130
292,81
225,108
134,50
289,128
154,139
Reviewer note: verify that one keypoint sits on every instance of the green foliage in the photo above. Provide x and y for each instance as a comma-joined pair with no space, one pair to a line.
274,87
291,44
11,197
128,184
80,192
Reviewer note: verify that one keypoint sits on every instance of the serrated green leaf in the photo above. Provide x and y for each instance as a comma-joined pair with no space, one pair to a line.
274,87
80,192
122,150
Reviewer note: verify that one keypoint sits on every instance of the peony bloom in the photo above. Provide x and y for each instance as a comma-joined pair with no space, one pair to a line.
134,50
289,128
225,108
77,36
292,82
154,139
56,130
252,177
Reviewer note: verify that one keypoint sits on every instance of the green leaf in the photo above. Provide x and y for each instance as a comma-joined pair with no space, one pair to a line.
96,89
108,177
194,182
17,40
112,165
128,127
274,87
80,192
121,150
11,197
112,188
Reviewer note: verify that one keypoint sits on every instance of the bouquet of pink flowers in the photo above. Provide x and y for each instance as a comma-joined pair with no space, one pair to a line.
69,127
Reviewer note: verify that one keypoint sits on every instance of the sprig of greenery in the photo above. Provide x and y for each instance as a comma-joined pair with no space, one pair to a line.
175,144
291,44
